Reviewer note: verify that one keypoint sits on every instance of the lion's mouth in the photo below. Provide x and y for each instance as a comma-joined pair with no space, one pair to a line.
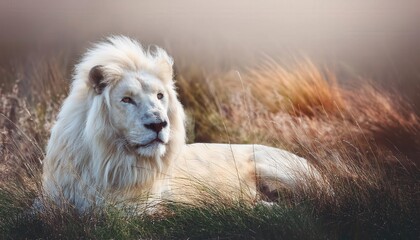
154,141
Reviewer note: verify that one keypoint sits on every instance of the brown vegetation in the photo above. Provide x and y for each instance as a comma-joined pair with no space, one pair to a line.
364,141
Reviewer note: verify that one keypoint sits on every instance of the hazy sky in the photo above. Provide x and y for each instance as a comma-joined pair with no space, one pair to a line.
373,36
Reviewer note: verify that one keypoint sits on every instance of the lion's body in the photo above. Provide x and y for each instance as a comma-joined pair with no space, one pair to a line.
120,138
235,171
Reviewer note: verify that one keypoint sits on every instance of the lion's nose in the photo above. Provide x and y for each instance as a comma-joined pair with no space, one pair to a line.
156,126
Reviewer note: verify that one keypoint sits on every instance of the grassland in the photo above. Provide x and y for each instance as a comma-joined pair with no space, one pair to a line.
364,141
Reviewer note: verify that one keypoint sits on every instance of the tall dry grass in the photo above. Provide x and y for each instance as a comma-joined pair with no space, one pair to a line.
305,90
363,140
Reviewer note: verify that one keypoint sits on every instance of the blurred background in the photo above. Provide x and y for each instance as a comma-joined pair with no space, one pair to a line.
375,39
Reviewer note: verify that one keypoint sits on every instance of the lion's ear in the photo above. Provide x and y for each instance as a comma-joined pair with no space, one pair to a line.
166,71
96,78
164,65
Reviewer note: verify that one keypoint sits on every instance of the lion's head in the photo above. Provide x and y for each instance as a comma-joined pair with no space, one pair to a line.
138,107
136,94
121,125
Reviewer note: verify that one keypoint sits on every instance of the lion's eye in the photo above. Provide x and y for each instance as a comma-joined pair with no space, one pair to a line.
127,100
160,95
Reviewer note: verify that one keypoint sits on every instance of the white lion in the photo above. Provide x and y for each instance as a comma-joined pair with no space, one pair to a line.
120,139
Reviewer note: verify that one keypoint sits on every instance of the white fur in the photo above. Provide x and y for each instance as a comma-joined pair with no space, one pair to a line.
89,155
93,156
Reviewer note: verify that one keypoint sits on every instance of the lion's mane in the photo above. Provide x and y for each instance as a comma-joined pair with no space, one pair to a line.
85,163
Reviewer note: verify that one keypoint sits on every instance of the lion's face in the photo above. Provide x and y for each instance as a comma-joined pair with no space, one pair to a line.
139,111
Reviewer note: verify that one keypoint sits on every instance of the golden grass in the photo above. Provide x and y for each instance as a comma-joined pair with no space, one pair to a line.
295,107
358,138
302,89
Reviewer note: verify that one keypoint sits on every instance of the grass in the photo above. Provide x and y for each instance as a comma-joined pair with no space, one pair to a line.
363,140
